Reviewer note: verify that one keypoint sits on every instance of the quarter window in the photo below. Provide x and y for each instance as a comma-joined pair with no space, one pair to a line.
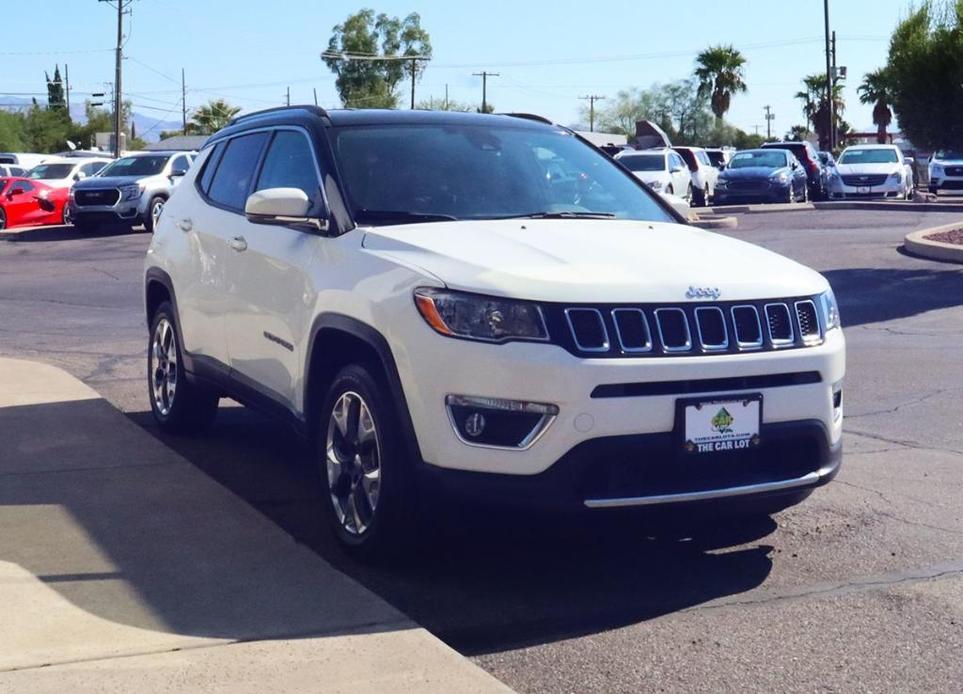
232,180
207,175
289,164
23,186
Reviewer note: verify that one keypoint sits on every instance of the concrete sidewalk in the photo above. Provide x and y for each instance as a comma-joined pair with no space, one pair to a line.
125,568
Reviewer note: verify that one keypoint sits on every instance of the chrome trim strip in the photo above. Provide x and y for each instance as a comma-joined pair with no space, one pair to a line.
806,480
618,333
781,342
735,326
687,347
720,347
530,439
809,339
598,314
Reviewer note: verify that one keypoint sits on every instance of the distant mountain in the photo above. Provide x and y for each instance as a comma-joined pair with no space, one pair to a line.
148,128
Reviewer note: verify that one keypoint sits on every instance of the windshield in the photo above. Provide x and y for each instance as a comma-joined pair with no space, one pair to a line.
869,156
643,162
135,166
950,154
50,171
397,173
773,159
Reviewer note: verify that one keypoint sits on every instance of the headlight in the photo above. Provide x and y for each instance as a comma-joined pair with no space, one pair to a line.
896,177
834,176
655,185
131,192
722,183
489,319
937,170
780,178
830,310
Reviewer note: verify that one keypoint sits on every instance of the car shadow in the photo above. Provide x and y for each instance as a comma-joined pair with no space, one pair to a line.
872,295
64,233
487,581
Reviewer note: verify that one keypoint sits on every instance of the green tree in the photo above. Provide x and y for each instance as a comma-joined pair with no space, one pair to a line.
446,105
925,71
874,90
815,108
55,90
11,132
46,130
366,53
720,71
213,116
815,88
798,133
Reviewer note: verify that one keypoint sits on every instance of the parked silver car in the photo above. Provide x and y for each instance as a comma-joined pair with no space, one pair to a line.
129,191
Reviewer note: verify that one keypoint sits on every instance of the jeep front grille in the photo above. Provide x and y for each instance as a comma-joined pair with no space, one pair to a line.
690,329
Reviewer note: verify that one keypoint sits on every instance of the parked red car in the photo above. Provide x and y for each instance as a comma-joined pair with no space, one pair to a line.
30,203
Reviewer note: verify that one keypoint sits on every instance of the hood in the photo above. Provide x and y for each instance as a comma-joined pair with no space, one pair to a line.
590,260
857,169
751,172
96,182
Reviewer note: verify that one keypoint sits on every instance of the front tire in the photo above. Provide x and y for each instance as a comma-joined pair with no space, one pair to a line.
178,405
3,219
364,468
154,209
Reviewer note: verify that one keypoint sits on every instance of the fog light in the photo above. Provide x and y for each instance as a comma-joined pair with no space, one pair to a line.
498,422
837,400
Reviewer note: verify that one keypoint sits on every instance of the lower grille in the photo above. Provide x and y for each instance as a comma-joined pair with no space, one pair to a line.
98,198
865,180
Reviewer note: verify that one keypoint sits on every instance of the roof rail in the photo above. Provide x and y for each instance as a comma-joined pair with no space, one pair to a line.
529,116
316,110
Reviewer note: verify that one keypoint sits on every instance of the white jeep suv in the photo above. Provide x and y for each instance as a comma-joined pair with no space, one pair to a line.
440,311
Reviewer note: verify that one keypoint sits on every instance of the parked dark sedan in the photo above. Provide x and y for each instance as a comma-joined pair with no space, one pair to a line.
762,175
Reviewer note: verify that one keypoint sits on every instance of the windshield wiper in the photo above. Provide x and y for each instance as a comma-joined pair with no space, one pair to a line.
562,215
400,216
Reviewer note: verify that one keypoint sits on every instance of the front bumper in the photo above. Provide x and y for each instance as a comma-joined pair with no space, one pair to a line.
129,211
840,191
946,183
650,473
770,193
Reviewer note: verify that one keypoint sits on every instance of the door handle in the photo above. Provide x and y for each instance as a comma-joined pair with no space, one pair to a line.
238,243
185,224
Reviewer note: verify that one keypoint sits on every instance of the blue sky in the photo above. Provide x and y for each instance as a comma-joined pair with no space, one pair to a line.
548,53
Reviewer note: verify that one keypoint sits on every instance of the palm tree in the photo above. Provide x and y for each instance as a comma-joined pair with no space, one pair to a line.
816,109
875,90
815,89
721,74
213,116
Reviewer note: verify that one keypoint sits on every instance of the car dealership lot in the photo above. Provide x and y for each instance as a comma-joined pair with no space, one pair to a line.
861,587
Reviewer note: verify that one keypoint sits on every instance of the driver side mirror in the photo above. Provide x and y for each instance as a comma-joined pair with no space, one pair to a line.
283,207
79,176
176,173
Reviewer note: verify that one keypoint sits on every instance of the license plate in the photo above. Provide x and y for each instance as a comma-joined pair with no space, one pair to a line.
863,189
722,425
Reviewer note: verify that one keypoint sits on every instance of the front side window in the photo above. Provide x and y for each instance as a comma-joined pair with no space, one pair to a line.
869,156
232,179
135,166
21,186
393,173
290,164
949,155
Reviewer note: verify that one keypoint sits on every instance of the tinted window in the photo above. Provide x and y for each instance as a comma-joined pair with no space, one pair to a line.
289,164
24,186
181,163
150,165
643,162
689,158
207,175
869,156
703,157
93,167
482,172
773,159
49,171
232,180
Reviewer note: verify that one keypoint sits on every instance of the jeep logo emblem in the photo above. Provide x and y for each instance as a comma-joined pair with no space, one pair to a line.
703,293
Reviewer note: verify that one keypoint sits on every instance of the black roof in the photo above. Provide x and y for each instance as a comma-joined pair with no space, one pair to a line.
346,117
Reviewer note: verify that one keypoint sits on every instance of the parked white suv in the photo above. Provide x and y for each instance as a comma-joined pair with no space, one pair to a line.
441,314
946,171
703,172
662,169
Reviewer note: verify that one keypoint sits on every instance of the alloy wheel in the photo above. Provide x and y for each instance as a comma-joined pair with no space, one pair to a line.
353,463
3,219
164,363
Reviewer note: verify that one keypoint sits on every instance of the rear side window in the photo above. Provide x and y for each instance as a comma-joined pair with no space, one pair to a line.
232,180
23,186
290,164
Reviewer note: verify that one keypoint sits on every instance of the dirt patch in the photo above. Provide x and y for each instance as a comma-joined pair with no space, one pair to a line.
954,236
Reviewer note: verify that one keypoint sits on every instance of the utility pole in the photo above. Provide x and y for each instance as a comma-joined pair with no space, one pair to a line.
485,75
287,98
67,86
122,6
446,96
592,98
757,128
830,106
315,90
414,74
770,117
183,103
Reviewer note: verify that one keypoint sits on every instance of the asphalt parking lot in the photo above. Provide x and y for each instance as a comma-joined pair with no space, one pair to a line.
860,588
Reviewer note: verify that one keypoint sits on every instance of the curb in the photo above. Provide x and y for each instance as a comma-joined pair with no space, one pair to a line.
901,206
916,243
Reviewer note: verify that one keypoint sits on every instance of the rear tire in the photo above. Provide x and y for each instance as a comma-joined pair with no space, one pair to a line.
365,472
3,219
178,405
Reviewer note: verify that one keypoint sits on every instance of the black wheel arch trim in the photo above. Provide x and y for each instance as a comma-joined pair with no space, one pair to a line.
360,330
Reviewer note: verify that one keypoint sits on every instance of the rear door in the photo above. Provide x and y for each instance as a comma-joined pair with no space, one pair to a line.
271,287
